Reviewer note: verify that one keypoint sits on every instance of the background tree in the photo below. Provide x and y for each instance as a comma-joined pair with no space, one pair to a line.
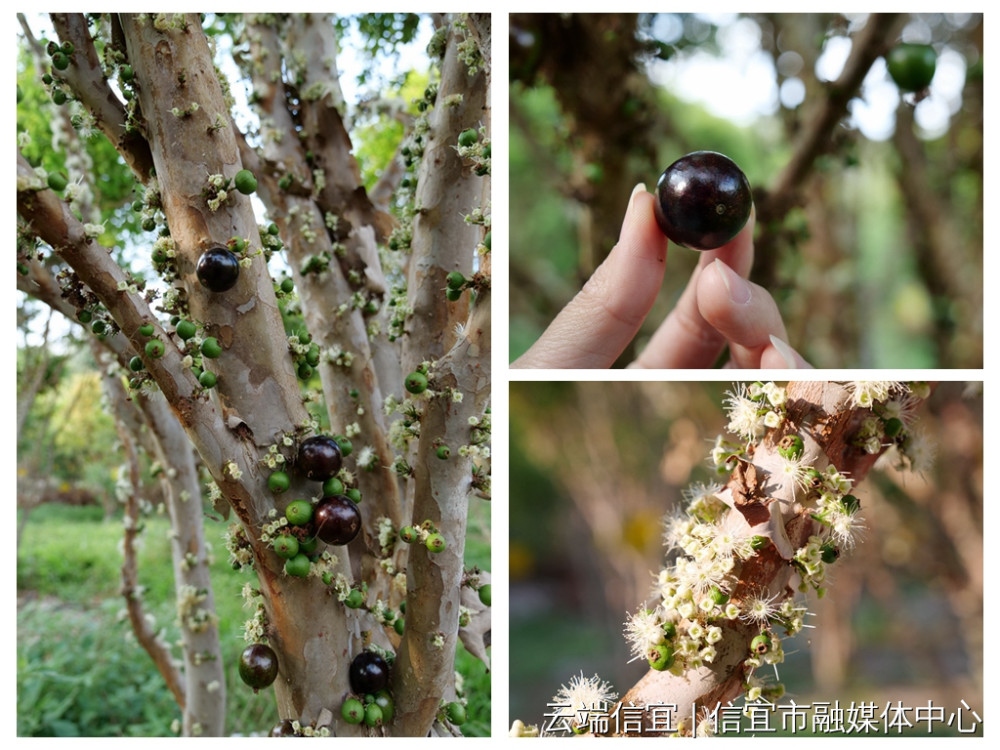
251,337
868,198
590,523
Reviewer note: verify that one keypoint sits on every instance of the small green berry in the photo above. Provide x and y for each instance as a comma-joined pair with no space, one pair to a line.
210,348
893,427
468,137
399,625
68,48
286,546
486,594
304,371
245,182
352,711
719,596
57,181
660,657
299,512
59,97
208,379
669,630
416,382
297,566
154,349
287,286
373,715
455,280
135,364
435,542
99,327
327,577
758,542
455,712
828,552
355,599
761,644
272,229
353,494
384,701
850,503
333,486
126,73
408,534
312,357
487,240
346,448
790,447
84,316
278,482
443,452
186,330
60,61
453,295
146,329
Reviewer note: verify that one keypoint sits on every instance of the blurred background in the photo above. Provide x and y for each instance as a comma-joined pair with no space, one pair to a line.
593,469
869,200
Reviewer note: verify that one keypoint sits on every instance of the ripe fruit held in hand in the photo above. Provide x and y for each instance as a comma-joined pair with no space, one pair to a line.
258,666
245,182
912,65
337,520
299,512
218,269
703,200
319,457
369,673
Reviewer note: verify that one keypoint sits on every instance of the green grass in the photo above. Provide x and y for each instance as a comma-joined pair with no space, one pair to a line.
68,576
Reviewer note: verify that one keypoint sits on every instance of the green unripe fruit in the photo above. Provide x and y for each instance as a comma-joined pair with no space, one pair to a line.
285,182
84,316
912,65
353,494
486,594
287,286
661,657
308,546
210,348
272,229
719,596
346,447
286,546
68,48
312,357
135,364
299,512
408,534
126,73
893,427
208,379
59,97
297,566
373,715
453,295
669,630
352,711
186,330
99,327
761,644
154,349
355,599
488,239
416,382
399,625
278,482
455,712
149,225
455,280
468,137
384,701
435,542
850,503
790,447
758,542
245,182
333,486
60,60
57,181
327,577
146,329
828,552
443,452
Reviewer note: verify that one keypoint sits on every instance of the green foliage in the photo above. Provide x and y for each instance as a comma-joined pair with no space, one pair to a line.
383,33
376,138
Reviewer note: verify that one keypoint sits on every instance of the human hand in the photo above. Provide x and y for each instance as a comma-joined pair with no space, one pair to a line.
718,307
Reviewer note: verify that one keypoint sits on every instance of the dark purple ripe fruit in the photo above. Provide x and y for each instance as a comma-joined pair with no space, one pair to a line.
369,673
319,457
703,200
258,666
337,520
218,269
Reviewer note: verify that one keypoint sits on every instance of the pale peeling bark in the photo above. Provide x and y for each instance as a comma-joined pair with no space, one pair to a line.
822,414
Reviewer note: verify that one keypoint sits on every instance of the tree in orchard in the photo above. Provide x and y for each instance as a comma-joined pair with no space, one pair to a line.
751,555
330,366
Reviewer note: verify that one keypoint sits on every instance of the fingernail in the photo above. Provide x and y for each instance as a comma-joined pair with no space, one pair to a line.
785,351
736,285
640,188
